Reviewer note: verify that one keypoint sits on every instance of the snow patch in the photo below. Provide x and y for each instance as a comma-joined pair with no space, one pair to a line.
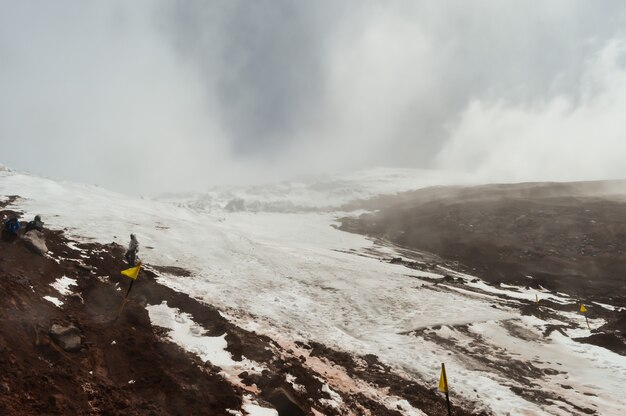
335,400
54,300
605,306
62,285
186,333
254,409
73,246
292,380
189,335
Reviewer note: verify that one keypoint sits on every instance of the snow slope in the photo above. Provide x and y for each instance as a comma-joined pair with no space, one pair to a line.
315,193
294,277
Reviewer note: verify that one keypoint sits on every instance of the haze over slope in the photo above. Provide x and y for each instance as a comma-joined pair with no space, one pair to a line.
569,237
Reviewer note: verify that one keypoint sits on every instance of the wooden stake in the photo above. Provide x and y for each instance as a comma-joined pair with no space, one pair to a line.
119,312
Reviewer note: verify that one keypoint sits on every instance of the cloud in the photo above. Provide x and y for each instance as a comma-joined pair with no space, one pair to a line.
568,137
92,95
150,96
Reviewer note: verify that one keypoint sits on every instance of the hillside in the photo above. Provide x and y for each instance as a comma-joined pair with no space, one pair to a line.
267,312
565,237
129,361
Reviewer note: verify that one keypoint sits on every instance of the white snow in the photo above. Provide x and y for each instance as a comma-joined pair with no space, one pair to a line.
318,192
192,337
55,301
189,335
292,380
605,306
335,399
73,246
300,280
62,285
254,409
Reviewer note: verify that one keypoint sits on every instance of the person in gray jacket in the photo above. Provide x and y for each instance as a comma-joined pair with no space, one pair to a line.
131,253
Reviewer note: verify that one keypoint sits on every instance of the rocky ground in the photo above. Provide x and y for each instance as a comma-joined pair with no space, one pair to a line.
122,364
568,238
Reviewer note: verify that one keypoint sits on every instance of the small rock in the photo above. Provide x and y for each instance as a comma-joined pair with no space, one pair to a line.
84,267
66,337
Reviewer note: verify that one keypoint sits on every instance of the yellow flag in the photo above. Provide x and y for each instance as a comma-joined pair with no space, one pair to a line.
133,272
583,309
443,380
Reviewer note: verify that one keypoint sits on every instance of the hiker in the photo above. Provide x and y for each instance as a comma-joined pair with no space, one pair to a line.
131,253
35,224
11,229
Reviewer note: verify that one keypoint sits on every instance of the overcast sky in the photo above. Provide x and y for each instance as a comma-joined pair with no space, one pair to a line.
151,96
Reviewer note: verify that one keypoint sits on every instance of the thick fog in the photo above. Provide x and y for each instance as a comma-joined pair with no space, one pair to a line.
153,96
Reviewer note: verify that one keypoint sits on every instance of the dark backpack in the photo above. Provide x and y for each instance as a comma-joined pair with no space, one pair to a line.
12,225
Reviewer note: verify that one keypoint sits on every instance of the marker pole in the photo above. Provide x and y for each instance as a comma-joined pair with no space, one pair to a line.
119,312
443,386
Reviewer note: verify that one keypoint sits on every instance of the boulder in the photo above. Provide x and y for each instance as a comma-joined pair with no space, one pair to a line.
35,242
66,337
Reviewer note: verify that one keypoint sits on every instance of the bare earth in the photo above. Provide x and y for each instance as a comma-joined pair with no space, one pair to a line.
566,237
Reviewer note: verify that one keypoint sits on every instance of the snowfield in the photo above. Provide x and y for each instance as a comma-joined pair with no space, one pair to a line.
293,276
319,192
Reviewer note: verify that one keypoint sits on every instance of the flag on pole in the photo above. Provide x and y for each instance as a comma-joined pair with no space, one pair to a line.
133,272
583,310
443,380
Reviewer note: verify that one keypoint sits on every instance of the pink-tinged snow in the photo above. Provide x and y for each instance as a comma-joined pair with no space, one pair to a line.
297,276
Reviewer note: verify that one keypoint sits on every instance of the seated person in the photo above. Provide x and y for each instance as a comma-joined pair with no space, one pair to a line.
35,224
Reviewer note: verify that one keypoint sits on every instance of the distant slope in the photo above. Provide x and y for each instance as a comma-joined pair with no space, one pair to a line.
314,193
569,237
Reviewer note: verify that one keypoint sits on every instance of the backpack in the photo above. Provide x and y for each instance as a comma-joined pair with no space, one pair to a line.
12,225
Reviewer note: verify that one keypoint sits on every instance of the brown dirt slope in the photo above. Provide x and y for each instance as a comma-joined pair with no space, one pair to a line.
570,237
